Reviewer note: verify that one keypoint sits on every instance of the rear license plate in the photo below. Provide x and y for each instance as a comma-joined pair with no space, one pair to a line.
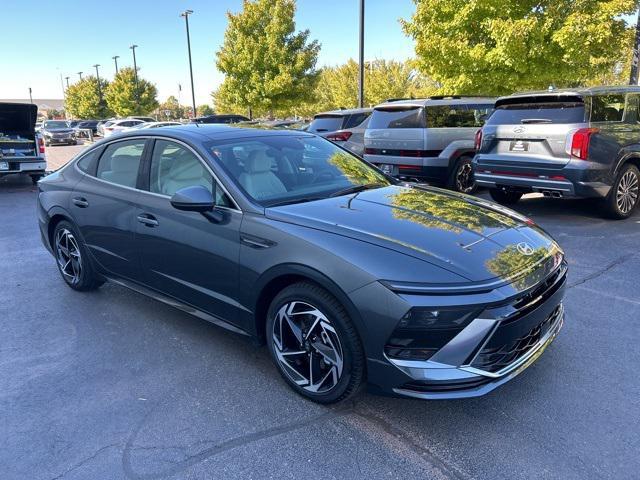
388,169
519,146
4,165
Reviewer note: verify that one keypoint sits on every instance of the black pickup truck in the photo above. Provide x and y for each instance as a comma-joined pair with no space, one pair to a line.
21,149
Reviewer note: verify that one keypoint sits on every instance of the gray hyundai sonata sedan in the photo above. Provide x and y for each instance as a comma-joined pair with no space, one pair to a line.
346,274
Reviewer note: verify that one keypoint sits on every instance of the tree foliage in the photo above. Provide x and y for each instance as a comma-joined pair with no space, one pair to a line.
500,46
123,99
82,99
205,110
267,65
170,109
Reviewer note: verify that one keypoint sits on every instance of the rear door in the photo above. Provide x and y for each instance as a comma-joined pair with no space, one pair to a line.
104,204
532,131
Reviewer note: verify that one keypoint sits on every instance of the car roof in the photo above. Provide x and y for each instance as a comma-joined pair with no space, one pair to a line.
438,100
580,91
211,131
343,112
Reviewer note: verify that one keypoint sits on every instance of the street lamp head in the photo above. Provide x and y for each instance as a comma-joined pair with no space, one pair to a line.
96,65
116,57
186,13
132,47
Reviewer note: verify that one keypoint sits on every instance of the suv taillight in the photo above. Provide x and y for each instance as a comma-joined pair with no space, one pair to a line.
339,136
478,140
41,144
577,144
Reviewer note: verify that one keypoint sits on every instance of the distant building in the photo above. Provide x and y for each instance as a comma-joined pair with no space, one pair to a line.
44,105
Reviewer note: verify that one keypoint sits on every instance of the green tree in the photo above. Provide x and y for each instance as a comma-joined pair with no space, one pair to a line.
267,65
338,86
82,99
170,109
499,46
205,110
124,100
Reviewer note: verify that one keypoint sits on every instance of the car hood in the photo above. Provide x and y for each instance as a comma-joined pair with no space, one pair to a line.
468,236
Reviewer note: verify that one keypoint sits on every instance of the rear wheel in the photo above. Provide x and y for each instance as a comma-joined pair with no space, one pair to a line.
72,258
314,344
623,196
462,179
505,197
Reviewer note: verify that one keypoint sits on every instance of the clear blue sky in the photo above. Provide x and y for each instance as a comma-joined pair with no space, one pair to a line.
84,33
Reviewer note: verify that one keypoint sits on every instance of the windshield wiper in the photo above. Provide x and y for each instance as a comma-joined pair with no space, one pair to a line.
536,120
356,189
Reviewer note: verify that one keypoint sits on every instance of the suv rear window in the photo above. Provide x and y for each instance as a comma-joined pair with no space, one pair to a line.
326,123
397,118
539,110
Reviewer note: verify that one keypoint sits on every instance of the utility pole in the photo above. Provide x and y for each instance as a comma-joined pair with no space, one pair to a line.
361,58
135,67
633,79
30,97
98,77
186,14
115,59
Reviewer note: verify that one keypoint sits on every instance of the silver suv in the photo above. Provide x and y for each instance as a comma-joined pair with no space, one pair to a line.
428,139
564,143
343,127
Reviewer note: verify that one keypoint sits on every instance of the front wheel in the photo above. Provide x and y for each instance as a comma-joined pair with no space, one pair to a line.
314,344
462,179
505,197
623,196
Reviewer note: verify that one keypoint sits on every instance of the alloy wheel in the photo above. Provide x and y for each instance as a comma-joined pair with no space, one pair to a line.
464,178
307,347
68,256
627,193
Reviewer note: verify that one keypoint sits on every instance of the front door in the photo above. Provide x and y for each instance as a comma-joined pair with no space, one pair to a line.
183,254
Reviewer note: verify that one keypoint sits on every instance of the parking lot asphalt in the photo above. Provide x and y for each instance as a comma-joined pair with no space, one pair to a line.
111,384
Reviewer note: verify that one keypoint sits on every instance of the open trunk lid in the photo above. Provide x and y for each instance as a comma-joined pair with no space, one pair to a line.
17,130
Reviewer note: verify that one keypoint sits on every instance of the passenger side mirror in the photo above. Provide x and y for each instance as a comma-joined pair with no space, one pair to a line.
197,199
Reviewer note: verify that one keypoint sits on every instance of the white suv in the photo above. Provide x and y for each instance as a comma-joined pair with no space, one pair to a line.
118,125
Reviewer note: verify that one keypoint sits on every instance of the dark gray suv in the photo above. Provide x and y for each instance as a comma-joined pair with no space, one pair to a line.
579,143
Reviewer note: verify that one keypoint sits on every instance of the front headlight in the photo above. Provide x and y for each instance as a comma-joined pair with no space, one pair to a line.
424,331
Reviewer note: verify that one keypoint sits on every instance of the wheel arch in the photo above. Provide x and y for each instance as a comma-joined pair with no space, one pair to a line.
632,158
274,280
56,215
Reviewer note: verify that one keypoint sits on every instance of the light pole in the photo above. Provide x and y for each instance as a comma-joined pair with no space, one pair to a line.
80,73
633,77
98,77
115,59
67,79
135,67
186,14
30,97
361,58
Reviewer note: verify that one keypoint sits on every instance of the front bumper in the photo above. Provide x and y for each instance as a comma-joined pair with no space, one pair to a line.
486,353
61,140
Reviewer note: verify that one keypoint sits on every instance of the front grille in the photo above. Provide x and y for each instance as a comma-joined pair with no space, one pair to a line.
493,359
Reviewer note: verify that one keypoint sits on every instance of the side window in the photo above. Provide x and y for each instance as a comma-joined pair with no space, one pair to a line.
479,114
120,162
450,116
356,119
88,162
174,167
607,108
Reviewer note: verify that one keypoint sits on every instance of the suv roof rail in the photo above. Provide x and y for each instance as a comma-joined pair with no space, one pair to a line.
398,99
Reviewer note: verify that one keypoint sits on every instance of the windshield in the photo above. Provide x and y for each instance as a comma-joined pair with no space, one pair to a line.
56,124
275,170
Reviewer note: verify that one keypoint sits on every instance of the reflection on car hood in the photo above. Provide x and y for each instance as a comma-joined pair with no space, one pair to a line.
465,235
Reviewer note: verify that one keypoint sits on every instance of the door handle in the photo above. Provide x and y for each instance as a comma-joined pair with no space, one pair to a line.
148,220
80,202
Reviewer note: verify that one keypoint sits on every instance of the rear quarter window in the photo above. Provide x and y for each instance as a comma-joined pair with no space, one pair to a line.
397,118
607,108
457,116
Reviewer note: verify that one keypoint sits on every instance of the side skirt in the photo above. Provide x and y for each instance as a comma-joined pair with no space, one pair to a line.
177,304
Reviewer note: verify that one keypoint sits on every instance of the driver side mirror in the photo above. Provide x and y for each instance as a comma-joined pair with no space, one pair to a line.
197,199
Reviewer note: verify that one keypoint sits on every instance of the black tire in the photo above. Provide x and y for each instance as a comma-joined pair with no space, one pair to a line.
352,371
624,194
47,143
505,197
84,277
462,179
35,178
